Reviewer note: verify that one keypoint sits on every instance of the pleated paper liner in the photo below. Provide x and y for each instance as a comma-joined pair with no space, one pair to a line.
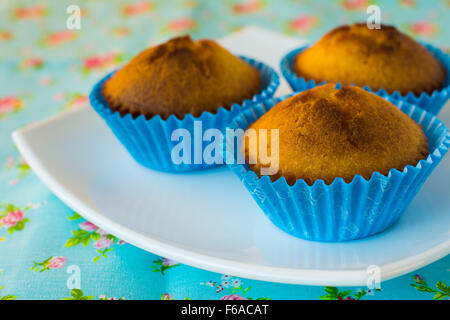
429,102
340,211
149,141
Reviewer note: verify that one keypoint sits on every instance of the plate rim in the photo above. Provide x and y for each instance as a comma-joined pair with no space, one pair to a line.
314,277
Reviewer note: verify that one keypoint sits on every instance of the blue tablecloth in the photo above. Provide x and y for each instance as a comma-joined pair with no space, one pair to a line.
45,248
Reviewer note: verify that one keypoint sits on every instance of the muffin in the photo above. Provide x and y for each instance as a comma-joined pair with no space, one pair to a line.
326,133
180,77
160,103
324,128
379,58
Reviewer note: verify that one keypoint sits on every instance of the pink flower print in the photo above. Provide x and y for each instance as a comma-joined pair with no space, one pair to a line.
101,61
103,243
13,182
233,297
166,296
30,12
88,226
181,25
56,262
58,96
78,101
303,24
12,218
102,232
8,104
5,35
9,163
121,31
418,278
94,62
48,264
34,63
137,8
168,263
249,6
45,81
219,288
59,37
408,3
355,4
423,28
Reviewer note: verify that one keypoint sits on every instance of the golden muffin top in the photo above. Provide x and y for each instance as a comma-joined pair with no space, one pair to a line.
380,58
325,133
181,76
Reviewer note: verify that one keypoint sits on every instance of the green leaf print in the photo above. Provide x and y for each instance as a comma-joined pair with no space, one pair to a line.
72,242
335,294
7,297
87,234
441,292
162,265
12,218
77,294
75,216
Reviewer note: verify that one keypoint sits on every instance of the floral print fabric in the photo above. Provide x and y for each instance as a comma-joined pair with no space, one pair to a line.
49,252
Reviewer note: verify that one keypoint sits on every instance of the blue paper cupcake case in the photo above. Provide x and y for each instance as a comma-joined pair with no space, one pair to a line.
431,103
149,141
340,211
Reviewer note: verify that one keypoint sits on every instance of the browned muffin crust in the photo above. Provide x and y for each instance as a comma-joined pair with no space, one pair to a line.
380,58
325,133
181,76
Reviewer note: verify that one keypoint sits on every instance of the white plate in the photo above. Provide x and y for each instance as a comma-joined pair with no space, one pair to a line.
208,219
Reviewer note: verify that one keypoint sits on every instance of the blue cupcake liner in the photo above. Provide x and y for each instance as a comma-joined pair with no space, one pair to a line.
340,211
431,103
149,140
